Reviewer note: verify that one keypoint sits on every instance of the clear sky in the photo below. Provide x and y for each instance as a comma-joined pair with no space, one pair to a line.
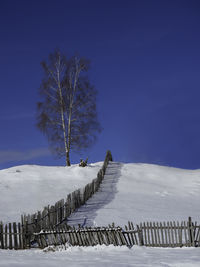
145,64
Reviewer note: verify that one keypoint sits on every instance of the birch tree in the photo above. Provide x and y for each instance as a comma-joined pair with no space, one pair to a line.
67,113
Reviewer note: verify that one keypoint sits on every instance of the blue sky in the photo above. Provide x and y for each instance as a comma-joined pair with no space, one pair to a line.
145,64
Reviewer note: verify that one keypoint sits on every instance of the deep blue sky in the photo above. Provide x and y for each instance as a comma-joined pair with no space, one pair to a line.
145,64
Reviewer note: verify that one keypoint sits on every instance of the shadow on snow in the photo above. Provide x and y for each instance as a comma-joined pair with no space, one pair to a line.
85,215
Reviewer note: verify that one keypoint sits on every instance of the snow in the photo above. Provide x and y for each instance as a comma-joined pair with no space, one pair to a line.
135,192
28,188
140,193
103,256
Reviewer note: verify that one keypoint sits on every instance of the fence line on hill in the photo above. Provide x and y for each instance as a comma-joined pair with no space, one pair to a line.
51,216
152,234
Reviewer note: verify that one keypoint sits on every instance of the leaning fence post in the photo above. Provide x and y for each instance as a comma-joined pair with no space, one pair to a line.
140,236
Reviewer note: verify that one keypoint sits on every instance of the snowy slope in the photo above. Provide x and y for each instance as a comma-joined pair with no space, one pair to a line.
136,192
143,192
28,188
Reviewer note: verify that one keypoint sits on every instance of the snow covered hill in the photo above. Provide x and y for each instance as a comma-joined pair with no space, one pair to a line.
142,192
28,188
136,192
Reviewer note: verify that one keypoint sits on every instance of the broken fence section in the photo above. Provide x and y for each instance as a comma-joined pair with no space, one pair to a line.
156,234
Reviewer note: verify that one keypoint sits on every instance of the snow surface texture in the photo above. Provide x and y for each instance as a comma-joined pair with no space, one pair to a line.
136,192
28,188
140,193
102,256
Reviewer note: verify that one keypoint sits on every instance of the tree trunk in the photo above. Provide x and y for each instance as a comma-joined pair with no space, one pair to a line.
67,159
62,115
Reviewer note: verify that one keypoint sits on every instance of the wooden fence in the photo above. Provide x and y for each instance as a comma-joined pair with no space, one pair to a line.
52,216
156,234
13,236
19,235
169,234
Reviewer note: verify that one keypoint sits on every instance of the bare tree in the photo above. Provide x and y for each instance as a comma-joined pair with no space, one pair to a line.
67,113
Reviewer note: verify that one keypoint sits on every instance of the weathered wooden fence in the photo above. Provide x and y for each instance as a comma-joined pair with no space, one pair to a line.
169,234
49,227
13,236
51,216
156,234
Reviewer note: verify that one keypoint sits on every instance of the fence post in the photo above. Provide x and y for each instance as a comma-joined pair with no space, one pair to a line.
26,235
1,236
140,236
191,232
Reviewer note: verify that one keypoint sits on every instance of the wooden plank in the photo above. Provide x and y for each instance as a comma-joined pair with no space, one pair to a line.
158,234
101,236
145,233
169,236
87,238
185,233
43,240
79,238
175,233
1,236
129,239
189,230
131,234
152,236
172,234
148,235
155,233
180,234
98,237
15,235
141,235
192,233
10,236
198,240
19,228
120,237
107,239
71,237
166,236
134,233
92,236
75,236
117,240
62,235
50,237
112,234
162,235
197,235
82,237
6,236
39,221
